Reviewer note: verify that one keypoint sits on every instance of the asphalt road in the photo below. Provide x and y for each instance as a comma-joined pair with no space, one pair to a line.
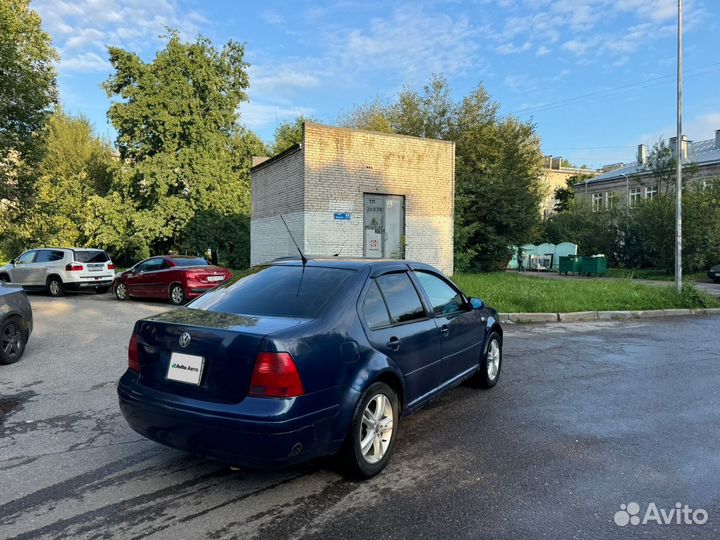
586,417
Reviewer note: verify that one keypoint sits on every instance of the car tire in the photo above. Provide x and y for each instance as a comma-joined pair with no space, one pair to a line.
367,450
177,295
13,338
55,286
4,278
102,290
488,373
121,292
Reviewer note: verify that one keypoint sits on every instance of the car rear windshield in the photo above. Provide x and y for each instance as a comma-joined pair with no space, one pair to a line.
190,261
277,291
91,256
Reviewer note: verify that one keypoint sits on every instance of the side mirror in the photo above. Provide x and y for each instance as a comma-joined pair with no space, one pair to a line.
476,303
12,261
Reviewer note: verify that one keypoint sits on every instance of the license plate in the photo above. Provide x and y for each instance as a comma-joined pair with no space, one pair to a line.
215,278
96,267
185,368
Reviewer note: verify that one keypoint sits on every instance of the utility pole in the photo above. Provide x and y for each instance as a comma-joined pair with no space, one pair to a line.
678,158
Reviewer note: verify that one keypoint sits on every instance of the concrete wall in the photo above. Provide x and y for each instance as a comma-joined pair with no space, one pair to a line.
342,164
277,189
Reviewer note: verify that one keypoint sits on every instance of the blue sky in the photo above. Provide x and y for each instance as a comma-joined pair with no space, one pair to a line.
536,57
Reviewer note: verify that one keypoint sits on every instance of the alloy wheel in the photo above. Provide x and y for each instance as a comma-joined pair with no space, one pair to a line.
177,295
376,428
121,291
493,360
54,287
11,340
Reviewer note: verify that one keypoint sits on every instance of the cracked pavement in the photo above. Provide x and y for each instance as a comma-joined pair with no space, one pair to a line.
585,417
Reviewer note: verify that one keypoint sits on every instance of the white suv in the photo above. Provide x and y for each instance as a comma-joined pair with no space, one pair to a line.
61,269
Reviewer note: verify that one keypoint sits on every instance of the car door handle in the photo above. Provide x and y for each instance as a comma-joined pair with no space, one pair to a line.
393,344
444,330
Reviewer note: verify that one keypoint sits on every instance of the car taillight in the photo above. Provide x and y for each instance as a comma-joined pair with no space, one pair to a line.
111,266
275,375
74,267
134,354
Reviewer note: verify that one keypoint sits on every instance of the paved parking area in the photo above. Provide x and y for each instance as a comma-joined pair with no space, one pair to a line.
586,417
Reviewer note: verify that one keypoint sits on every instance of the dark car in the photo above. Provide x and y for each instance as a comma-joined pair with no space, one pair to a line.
177,278
296,361
16,322
714,273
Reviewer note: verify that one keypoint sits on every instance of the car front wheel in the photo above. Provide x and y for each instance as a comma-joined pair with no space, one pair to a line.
13,338
371,439
177,295
121,292
490,364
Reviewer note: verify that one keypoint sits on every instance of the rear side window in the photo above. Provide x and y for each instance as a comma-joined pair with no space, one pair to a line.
277,291
91,256
401,297
374,309
192,261
49,255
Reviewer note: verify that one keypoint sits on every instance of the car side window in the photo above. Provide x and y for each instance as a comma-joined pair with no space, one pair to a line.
401,297
153,265
140,267
374,308
444,299
26,257
49,255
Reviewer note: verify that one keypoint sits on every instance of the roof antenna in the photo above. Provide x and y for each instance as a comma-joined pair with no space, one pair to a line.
338,253
302,257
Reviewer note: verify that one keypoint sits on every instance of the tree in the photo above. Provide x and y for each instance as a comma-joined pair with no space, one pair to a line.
76,166
372,116
184,156
563,195
287,135
27,94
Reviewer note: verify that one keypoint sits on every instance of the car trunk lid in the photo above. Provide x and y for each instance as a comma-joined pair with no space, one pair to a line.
222,346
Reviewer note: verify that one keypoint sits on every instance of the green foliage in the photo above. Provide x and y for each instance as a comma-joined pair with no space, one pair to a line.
512,293
27,94
287,135
563,195
497,159
184,179
77,166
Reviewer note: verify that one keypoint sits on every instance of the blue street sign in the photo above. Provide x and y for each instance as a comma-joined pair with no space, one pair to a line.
344,216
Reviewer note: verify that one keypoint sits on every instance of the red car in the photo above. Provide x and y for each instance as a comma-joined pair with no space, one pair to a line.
178,278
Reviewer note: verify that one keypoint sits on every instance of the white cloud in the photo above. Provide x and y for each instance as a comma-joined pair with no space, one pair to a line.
82,29
511,48
411,42
262,115
542,50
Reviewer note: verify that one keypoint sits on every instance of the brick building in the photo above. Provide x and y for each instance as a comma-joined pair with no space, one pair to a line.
356,193
554,176
628,183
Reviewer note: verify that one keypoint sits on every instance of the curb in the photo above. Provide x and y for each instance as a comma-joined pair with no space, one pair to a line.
587,316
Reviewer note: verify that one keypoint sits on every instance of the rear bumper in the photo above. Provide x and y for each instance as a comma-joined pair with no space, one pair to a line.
77,285
257,432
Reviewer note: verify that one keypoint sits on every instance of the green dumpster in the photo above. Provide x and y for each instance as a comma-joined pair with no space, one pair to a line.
597,264
570,263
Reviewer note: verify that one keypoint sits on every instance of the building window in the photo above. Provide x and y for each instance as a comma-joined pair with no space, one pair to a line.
634,197
650,192
597,201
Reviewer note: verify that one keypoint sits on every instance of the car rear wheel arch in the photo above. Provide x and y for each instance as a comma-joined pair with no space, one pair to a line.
48,284
393,381
5,277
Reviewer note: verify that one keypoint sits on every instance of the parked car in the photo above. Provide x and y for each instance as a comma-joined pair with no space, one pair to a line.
16,322
178,278
58,270
296,361
714,273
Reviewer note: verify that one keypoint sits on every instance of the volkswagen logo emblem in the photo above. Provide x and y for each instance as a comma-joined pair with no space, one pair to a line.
184,339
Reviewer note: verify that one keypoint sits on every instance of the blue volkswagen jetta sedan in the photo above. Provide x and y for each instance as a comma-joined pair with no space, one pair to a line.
301,360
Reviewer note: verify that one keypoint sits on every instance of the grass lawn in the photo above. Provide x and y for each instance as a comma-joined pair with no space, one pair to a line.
653,273
510,293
